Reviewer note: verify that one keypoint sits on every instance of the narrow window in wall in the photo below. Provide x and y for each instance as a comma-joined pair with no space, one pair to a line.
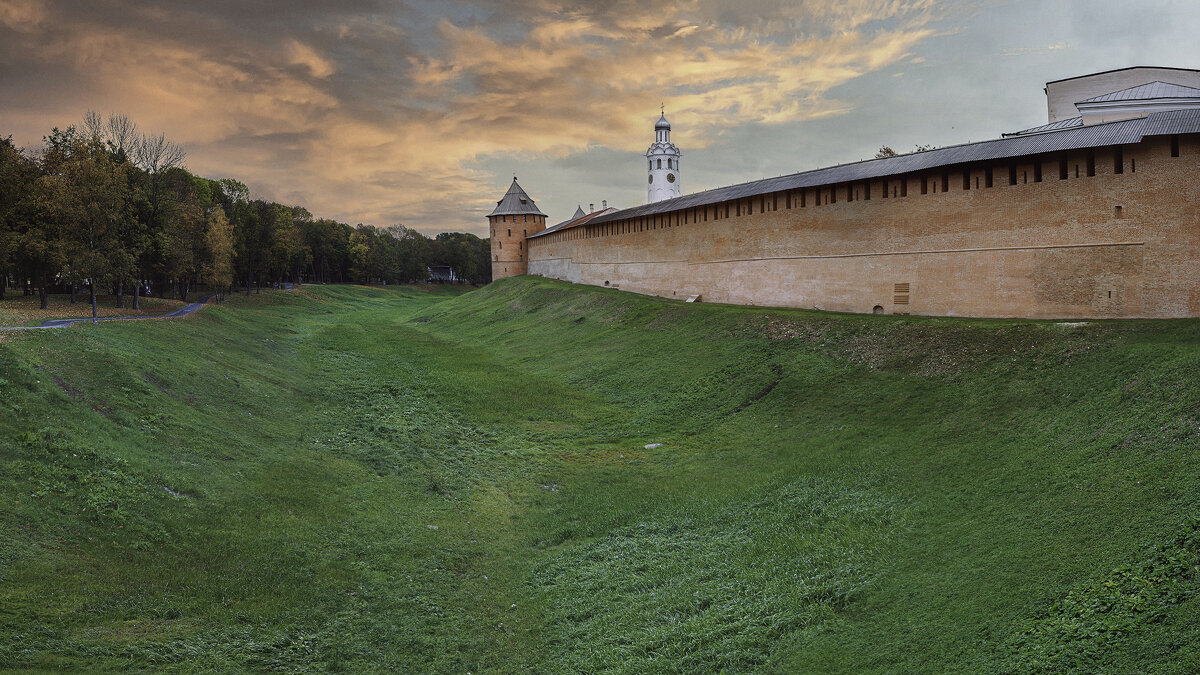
660,163
1077,171
1062,167
966,179
803,199
510,231
849,192
833,194
976,182
1091,163
738,208
1037,171
989,176
775,202
726,209
1118,160
524,233
1133,165
1024,177
762,204
520,245
526,219
867,190
924,185
945,181
904,186
787,203
885,189
1012,175
1175,145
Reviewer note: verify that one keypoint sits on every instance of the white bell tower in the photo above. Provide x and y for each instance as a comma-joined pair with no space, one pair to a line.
663,159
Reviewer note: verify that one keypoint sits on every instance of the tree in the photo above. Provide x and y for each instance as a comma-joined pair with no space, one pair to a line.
90,204
18,174
885,151
218,239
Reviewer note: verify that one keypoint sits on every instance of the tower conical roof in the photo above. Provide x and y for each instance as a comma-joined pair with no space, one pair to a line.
515,203
662,123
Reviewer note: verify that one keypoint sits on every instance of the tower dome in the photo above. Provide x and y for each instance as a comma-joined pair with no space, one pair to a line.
663,158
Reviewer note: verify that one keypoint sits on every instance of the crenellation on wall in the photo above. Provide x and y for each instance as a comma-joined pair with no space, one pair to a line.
1054,248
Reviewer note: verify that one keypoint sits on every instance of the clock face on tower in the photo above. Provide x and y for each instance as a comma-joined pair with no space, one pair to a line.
670,178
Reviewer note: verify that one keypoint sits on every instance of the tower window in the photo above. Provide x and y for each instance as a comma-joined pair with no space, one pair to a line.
510,231
660,163
1118,160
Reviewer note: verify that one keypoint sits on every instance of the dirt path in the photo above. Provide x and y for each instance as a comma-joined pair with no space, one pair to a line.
59,323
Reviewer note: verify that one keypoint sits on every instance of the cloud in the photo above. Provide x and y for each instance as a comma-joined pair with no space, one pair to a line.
302,54
375,112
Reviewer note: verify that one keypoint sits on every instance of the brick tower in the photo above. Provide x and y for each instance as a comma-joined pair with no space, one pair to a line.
515,218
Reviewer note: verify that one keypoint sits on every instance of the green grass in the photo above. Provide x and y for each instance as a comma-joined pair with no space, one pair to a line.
352,479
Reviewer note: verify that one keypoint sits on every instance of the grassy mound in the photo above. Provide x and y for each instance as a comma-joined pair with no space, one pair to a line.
540,476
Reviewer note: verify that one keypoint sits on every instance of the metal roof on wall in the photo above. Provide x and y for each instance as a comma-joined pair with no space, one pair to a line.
1156,89
1075,138
578,219
1053,126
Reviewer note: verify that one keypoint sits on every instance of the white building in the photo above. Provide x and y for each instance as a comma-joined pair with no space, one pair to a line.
663,159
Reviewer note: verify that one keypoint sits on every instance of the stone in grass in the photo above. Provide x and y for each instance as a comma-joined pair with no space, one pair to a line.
652,446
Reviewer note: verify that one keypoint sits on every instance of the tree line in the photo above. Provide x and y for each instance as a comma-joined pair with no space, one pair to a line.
104,207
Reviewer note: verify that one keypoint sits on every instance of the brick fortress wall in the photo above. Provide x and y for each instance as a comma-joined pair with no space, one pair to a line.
1115,244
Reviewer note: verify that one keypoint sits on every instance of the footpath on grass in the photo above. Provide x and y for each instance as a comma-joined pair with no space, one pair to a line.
182,311
60,323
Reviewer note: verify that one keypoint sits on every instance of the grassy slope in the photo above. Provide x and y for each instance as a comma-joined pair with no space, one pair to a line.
832,492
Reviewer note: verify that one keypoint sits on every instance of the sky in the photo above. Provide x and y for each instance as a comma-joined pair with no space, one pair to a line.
394,112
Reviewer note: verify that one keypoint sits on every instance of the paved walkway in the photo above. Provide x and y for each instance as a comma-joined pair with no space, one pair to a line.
59,323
